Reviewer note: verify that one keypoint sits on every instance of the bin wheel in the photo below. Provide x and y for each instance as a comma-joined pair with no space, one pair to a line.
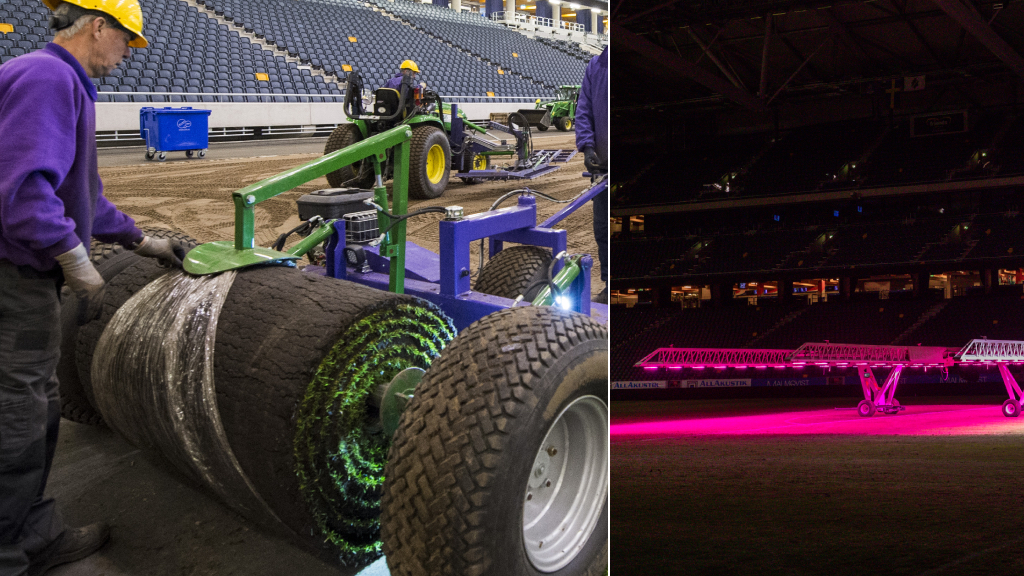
1011,409
202,153
865,408
189,153
149,155
518,485
162,156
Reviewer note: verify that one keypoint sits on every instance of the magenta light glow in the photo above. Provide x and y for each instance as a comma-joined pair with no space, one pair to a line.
675,367
650,367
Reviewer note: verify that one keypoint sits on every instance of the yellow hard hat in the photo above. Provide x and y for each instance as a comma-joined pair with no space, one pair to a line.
128,14
410,65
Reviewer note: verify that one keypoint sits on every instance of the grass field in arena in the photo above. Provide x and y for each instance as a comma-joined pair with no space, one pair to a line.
794,487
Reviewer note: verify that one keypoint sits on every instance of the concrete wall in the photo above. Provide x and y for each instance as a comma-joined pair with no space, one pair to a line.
125,115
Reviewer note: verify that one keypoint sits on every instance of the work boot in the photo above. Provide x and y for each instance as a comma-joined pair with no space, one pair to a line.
602,296
74,544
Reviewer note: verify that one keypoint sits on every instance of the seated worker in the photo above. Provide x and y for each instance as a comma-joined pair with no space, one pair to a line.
409,70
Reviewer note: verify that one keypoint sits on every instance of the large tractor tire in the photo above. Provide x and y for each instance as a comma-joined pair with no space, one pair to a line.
564,123
75,393
513,270
430,160
296,446
344,136
499,465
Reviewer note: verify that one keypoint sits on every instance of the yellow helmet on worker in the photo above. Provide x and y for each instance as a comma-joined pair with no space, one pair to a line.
409,65
127,13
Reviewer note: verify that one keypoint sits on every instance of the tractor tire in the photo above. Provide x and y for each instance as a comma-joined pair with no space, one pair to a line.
75,393
515,398
564,123
296,359
512,270
429,162
344,136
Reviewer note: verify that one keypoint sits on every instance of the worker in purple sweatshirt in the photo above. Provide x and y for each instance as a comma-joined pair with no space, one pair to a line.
51,204
592,140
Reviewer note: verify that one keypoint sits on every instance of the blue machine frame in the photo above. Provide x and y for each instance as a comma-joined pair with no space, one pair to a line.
445,279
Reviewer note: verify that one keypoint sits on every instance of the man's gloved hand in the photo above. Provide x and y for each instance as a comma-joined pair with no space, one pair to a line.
167,252
84,281
590,159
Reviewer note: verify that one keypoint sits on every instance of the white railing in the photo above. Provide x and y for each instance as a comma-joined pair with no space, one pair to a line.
524,18
336,98
218,95
571,26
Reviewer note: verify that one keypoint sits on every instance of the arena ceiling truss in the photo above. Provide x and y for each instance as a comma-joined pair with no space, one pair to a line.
752,54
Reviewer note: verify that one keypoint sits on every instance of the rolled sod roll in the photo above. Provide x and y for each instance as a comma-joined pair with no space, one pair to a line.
259,387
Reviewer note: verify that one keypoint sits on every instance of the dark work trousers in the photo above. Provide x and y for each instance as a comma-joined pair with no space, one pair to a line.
601,231
29,415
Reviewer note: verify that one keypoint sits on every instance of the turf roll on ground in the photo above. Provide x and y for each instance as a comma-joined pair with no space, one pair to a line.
258,385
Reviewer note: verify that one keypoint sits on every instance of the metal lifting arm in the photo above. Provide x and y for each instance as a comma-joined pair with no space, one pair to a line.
247,198
214,257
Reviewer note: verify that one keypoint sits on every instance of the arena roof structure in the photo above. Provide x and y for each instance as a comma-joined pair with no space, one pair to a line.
755,55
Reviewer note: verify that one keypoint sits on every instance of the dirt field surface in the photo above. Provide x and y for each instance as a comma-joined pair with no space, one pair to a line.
194,196
796,487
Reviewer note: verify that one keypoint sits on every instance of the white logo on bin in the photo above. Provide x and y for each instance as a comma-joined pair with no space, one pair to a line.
184,124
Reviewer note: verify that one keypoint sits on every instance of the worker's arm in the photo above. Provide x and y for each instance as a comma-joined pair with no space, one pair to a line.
584,112
37,151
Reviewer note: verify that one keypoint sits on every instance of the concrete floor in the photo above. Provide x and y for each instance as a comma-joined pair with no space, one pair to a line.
162,524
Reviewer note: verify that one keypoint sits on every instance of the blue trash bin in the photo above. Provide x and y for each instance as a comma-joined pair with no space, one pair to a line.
172,129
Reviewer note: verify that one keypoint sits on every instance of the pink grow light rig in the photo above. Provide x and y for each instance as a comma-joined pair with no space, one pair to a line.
863,357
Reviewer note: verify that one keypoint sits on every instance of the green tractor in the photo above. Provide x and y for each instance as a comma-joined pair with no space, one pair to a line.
432,138
561,111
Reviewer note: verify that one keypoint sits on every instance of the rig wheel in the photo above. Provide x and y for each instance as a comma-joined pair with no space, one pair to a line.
512,270
499,465
865,408
1011,409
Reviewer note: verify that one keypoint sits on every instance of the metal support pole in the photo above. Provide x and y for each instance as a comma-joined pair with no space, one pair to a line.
885,398
868,383
763,90
1011,384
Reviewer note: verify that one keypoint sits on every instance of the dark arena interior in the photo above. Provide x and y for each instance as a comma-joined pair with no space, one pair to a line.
334,311
818,286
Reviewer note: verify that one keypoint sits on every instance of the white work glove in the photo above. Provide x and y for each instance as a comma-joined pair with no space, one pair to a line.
84,281
168,253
